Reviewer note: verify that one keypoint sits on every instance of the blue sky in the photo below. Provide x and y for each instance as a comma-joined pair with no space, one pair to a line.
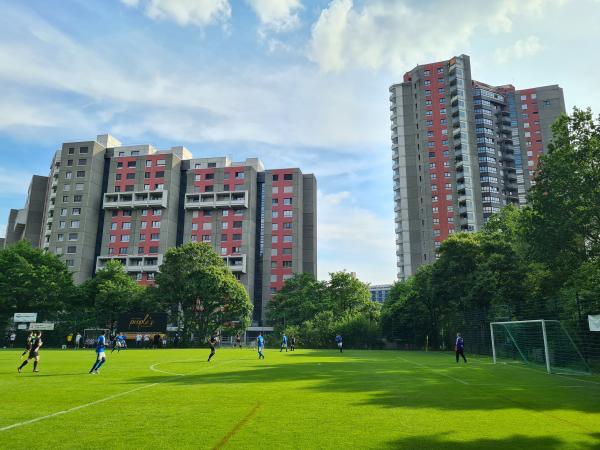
294,82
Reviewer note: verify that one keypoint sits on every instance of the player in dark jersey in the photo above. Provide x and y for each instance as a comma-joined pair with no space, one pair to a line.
213,342
238,340
292,343
34,352
28,343
459,347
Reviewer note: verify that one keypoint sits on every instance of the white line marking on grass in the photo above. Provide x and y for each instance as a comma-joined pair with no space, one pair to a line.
153,368
110,397
434,371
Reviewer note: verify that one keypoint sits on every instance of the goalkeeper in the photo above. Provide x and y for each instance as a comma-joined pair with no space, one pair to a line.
459,347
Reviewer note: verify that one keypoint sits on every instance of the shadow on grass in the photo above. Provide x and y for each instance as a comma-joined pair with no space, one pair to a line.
393,383
514,442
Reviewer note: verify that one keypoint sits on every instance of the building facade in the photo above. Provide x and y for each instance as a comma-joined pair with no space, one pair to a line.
461,150
380,292
105,201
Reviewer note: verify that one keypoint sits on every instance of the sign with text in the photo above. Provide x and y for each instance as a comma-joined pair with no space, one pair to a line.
25,317
142,322
47,326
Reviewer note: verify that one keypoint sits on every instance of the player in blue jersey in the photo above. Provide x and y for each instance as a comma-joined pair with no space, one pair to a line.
119,343
100,354
339,342
284,342
459,347
260,343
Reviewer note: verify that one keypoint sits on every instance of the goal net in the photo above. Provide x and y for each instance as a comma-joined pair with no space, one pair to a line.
541,343
90,335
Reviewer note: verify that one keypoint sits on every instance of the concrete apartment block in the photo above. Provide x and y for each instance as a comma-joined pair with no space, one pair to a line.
106,201
461,150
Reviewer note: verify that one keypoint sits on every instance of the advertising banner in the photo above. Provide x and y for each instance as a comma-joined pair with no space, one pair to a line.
47,326
25,317
142,323
594,322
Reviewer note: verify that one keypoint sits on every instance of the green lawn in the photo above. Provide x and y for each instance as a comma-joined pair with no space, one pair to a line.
307,399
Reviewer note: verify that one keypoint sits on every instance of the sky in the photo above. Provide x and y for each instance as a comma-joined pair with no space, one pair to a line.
297,83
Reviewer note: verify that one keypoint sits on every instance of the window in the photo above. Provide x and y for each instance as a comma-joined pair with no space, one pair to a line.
287,239
288,177
126,213
71,151
207,213
207,226
148,163
209,176
194,238
76,211
275,226
125,238
79,187
427,73
65,199
131,164
119,164
434,198
208,189
83,150
433,176
206,238
523,106
159,186
74,223
526,125
427,83
123,251
155,236
194,226
286,251
153,250
160,174
275,177
112,238
274,201
69,162
77,198
287,265
287,226
237,224
81,162
274,214
59,250
130,176
142,237
151,275
237,237
157,212
195,214
225,225
60,237
273,252
239,175
287,214
70,262
156,224
274,239
113,226
275,190
129,188
68,175
63,211
127,225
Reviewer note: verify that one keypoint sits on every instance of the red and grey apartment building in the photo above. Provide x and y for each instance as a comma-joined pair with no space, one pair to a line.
461,150
105,201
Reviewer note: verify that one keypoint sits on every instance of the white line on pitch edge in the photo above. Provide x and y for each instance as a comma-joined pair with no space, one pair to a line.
434,370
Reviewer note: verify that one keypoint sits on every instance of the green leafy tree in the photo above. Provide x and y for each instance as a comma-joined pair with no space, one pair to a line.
300,299
111,292
32,280
347,293
195,281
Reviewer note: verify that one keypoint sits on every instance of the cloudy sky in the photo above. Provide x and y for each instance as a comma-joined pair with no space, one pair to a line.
298,83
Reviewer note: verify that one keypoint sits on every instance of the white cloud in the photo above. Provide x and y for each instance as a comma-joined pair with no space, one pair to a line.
2,230
185,12
519,50
277,15
399,35
354,238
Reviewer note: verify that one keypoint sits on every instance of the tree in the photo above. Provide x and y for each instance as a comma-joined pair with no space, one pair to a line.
111,292
300,299
564,226
347,293
194,280
32,280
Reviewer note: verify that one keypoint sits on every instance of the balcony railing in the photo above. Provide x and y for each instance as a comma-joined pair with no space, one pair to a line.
214,200
132,200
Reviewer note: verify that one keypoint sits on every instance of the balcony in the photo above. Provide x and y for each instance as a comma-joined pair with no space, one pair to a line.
215,200
236,263
132,263
135,200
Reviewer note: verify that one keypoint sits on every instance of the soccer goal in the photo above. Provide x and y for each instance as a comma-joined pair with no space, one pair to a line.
90,335
542,343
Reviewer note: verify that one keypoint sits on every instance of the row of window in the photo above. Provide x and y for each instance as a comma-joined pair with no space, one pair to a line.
436,210
133,164
224,213
71,237
224,225
430,113
428,72
440,91
71,250
447,186
275,278
74,211
76,198
78,174
131,187
429,123
140,250
286,189
434,198
275,214
126,237
72,224
286,201
78,187
131,175
127,225
433,176
82,150
80,162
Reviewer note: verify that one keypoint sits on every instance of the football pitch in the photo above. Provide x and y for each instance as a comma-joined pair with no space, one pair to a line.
305,399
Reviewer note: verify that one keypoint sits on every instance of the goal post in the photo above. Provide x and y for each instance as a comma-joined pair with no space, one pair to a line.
542,343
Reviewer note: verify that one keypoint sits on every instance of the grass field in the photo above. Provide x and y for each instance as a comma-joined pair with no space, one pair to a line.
306,399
